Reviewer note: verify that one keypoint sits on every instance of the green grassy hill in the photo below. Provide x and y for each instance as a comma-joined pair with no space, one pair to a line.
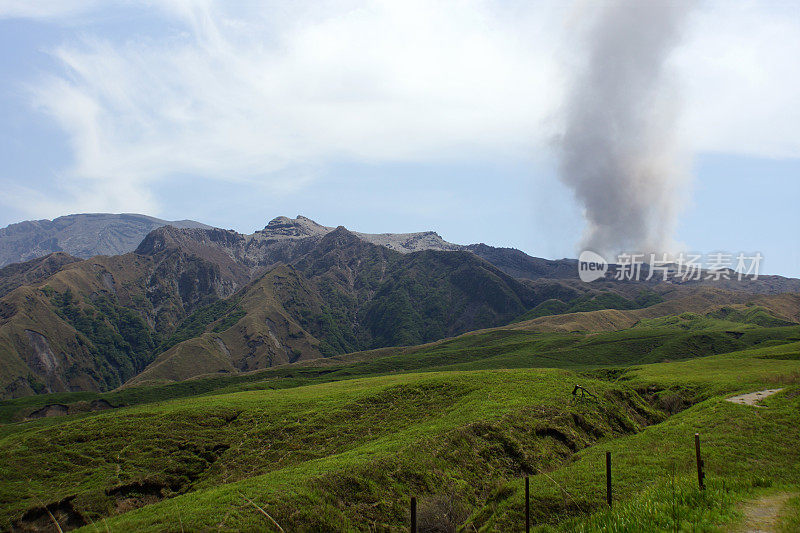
670,338
341,444
347,455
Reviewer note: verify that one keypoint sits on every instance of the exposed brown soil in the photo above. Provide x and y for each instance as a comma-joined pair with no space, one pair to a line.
58,409
41,518
135,495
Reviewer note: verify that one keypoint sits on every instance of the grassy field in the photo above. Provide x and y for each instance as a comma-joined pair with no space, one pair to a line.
746,449
342,444
670,338
293,440
347,455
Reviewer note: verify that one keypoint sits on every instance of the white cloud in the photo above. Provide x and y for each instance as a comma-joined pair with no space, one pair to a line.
236,92
241,98
739,72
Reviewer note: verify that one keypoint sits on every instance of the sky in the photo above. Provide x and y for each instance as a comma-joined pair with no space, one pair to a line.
382,116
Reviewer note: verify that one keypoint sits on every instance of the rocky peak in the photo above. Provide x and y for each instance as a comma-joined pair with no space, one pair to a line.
410,242
297,228
283,228
188,239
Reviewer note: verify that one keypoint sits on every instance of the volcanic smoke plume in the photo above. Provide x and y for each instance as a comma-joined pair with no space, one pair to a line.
619,153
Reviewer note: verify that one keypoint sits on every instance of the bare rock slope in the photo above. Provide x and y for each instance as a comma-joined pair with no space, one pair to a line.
84,235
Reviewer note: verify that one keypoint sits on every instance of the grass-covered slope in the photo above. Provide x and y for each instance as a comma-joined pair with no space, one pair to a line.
345,295
264,325
600,338
670,338
377,297
592,300
347,455
94,324
300,438
31,272
747,450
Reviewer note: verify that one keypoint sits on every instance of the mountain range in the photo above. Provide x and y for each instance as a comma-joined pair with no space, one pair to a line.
89,235
83,235
191,299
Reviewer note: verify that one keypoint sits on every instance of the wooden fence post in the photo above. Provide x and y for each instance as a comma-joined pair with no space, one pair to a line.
608,478
413,515
700,474
527,505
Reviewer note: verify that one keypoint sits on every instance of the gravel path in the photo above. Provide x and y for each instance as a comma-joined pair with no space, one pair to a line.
753,398
761,515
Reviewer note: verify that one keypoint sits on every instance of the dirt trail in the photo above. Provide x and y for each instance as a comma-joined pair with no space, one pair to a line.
761,515
753,398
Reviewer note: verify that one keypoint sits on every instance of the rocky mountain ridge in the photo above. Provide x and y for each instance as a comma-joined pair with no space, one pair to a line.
81,235
191,301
